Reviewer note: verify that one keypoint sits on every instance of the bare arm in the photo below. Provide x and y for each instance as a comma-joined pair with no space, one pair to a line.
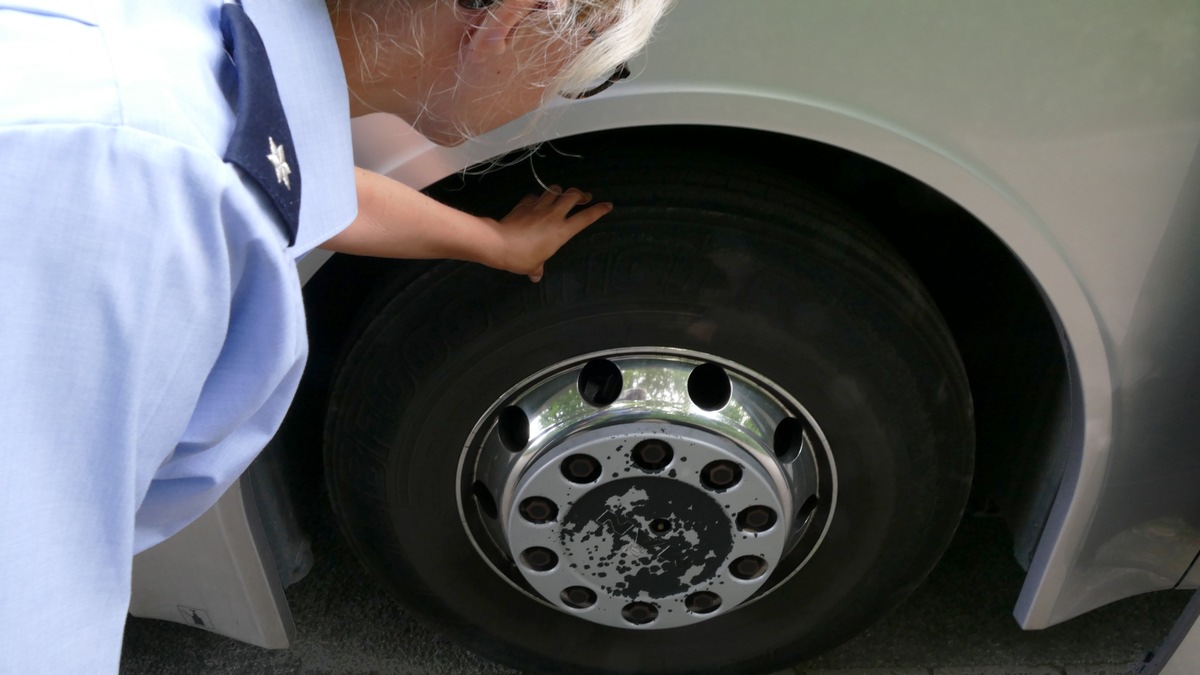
396,221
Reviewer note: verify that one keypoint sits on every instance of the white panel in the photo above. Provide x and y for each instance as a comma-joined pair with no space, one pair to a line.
216,575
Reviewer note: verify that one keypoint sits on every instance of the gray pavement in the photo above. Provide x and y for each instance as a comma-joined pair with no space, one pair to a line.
958,623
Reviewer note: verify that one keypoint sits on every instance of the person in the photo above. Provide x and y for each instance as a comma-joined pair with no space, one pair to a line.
164,164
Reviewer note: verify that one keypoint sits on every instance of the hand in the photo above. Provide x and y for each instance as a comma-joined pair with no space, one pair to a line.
538,226
396,221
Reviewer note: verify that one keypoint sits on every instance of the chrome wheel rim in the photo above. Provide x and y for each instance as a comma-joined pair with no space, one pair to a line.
646,488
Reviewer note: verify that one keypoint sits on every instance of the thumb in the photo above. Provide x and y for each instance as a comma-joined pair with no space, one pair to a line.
537,274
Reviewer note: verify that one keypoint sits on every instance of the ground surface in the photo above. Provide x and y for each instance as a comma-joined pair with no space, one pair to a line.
958,623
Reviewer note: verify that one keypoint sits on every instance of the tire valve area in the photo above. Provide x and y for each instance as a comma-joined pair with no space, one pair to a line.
646,490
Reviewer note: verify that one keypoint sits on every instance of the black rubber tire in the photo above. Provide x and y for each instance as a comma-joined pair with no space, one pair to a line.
733,262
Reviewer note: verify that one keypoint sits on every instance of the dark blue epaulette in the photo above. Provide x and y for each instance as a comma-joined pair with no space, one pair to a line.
261,143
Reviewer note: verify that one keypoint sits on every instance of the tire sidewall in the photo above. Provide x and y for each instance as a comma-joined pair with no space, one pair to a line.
443,353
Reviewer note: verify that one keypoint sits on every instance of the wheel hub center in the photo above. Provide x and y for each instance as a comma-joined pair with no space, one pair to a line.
646,537
650,528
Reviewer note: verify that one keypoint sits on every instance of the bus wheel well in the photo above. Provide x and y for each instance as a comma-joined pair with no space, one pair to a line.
1007,335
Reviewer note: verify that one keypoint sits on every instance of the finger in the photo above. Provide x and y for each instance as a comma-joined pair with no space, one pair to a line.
581,199
549,196
576,223
569,200
526,204
537,275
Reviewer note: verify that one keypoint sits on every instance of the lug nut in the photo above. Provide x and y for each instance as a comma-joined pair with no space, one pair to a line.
652,455
578,597
702,602
756,519
581,469
538,510
539,559
748,567
639,613
720,475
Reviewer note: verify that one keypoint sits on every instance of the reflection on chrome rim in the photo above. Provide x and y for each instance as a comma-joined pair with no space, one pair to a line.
646,488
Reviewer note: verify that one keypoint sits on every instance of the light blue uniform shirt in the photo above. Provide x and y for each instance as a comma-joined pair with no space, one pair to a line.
151,326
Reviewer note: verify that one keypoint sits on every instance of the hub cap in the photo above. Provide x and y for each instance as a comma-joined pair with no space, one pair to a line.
646,489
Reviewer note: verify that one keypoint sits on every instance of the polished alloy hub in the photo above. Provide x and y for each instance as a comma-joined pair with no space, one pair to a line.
646,489
636,537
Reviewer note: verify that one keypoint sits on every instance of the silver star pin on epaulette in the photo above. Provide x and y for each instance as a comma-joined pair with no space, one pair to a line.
279,161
